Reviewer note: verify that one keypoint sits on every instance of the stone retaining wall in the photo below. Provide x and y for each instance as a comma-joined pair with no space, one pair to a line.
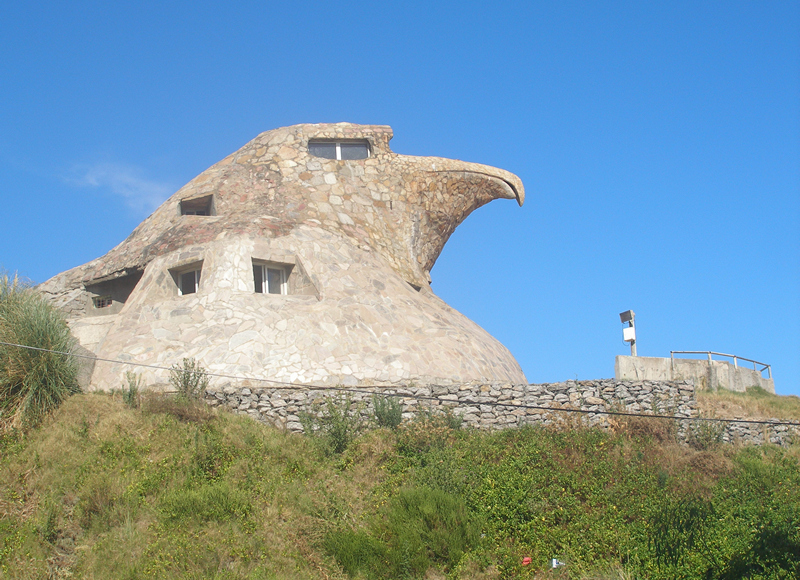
757,434
504,405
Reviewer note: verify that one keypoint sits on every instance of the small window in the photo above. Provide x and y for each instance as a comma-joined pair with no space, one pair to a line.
102,301
188,282
109,294
339,150
198,206
269,279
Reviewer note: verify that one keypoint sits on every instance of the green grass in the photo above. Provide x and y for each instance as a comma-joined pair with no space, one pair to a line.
421,528
173,490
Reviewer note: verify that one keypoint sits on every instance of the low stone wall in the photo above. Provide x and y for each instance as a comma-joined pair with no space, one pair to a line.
480,405
503,405
758,434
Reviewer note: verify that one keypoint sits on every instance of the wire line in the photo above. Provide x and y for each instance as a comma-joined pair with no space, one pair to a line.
283,385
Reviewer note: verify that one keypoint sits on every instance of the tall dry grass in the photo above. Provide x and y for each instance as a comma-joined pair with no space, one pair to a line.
32,382
756,403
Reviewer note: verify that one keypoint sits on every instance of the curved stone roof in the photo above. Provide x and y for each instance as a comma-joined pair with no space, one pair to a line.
357,238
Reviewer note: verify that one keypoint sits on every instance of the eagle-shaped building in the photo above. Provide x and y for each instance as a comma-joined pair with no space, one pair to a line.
303,257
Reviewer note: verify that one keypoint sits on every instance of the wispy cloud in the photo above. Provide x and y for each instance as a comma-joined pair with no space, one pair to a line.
125,181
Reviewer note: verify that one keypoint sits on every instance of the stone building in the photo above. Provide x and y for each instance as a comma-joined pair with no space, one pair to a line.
303,257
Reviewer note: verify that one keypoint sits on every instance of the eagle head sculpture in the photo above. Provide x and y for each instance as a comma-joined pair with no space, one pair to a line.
304,257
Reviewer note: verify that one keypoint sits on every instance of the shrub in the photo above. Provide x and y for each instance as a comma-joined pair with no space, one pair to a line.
660,430
706,434
388,411
189,378
212,455
32,382
452,420
336,422
356,551
130,394
428,431
48,525
677,527
434,526
421,528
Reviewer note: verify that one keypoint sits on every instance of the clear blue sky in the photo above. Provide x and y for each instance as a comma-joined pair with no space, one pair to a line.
659,144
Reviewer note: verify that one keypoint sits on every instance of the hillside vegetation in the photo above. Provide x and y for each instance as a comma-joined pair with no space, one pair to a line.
173,490
756,403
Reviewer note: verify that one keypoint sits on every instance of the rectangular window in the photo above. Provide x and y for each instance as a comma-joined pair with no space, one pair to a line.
102,301
187,277
198,206
339,150
269,279
188,282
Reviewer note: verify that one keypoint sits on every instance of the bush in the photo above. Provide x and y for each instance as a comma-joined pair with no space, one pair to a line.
130,393
432,525
32,382
705,435
388,411
421,528
428,431
676,528
660,430
189,378
336,422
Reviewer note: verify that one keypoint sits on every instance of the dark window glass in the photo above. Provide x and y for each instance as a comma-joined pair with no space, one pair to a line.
198,206
258,278
189,282
324,150
354,150
341,150
274,280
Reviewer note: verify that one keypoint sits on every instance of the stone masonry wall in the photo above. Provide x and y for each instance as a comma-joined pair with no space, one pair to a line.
503,405
758,434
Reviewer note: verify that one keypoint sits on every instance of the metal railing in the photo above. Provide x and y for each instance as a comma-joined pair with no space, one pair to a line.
735,358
